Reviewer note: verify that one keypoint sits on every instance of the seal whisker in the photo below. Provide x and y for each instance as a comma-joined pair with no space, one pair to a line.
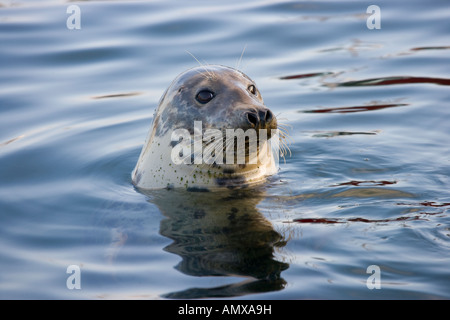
210,73
240,58
282,124
285,149
284,130
284,139
227,143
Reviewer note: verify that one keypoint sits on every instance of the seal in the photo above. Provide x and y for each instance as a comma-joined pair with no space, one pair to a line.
210,130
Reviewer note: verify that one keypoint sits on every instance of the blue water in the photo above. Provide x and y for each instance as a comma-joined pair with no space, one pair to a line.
367,182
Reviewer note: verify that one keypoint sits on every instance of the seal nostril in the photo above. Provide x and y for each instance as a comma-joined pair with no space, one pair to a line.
252,118
265,117
269,116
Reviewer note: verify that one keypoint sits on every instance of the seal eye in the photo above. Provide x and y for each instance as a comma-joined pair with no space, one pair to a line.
252,89
204,96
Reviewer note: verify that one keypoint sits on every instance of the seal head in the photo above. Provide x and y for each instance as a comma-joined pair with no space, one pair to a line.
191,144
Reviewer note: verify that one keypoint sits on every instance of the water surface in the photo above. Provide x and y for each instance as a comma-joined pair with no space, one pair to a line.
367,182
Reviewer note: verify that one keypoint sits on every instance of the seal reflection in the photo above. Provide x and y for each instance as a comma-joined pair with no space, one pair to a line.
221,234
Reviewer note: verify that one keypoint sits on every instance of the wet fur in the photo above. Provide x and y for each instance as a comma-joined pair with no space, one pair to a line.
178,110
